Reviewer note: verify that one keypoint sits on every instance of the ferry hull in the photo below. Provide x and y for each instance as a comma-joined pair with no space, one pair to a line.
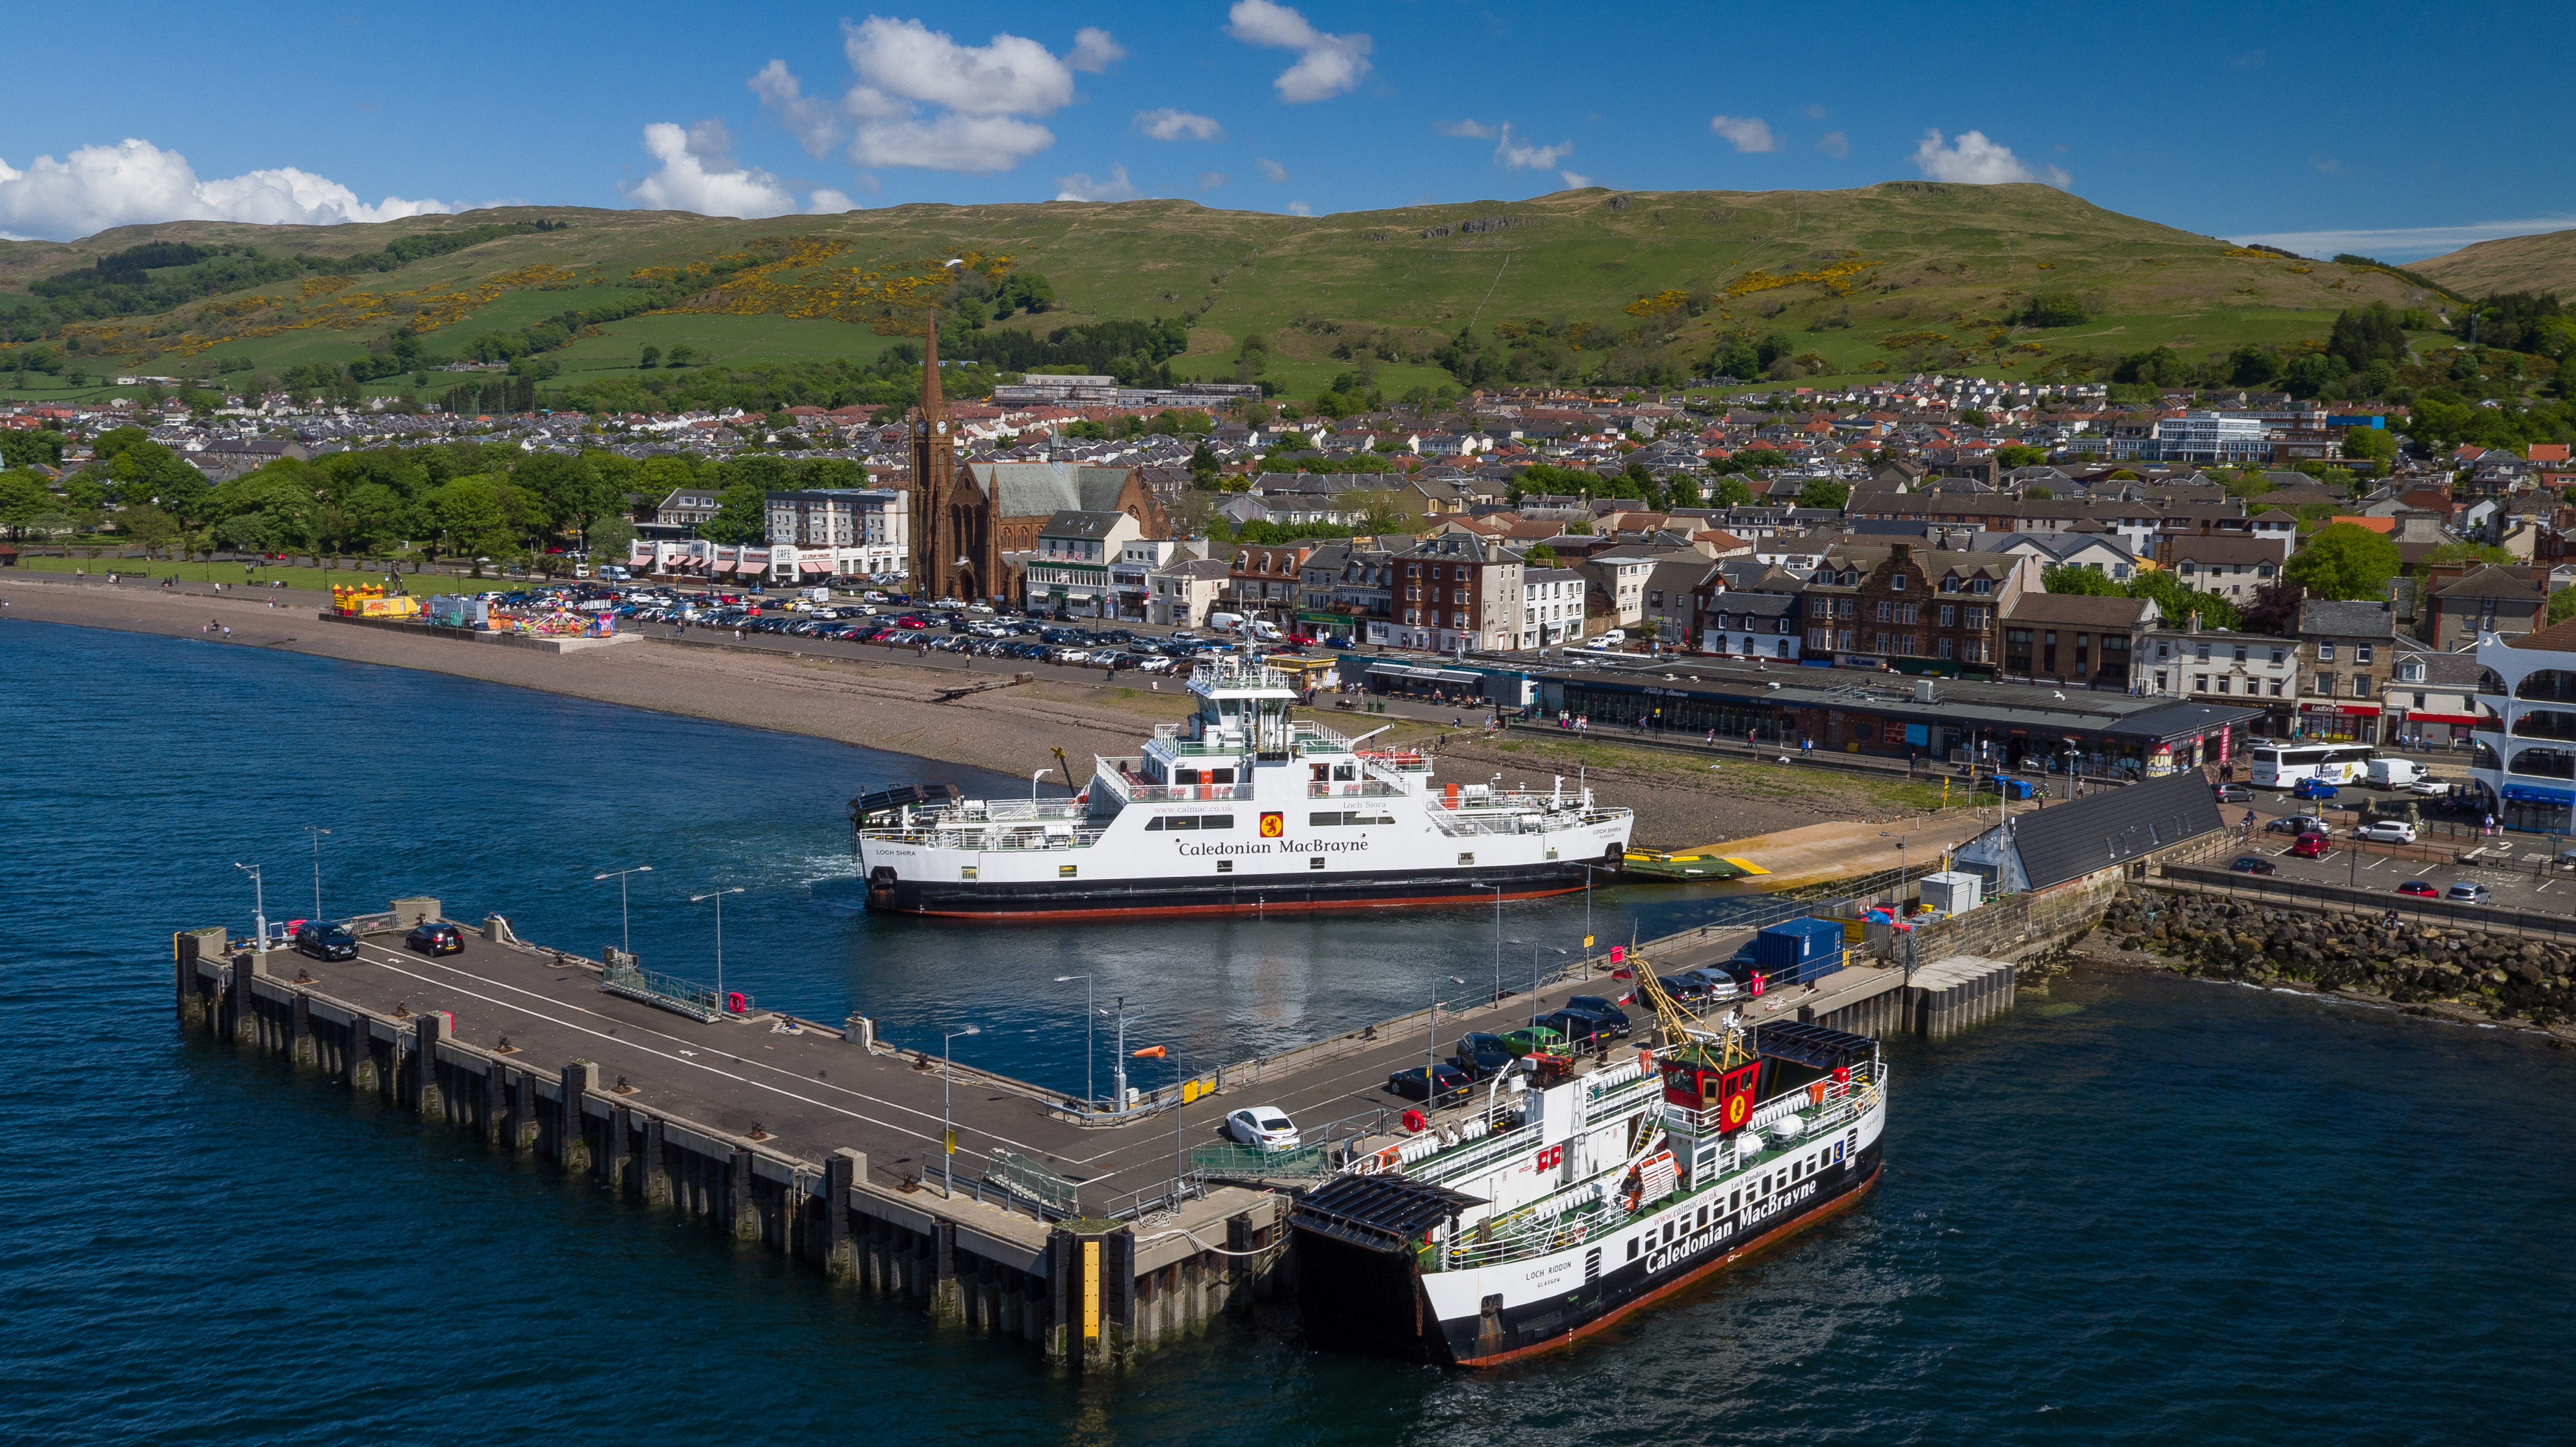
1253,894
1366,1301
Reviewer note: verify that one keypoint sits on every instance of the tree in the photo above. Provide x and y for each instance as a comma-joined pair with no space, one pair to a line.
649,358
23,499
1203,465
1824,493
609,537
2177,602
2344,561
2372,444
2562,605
742,514
1731,492
2039,492
2364,335
149,526
2015,455
1541,555
2275,609
2056,309
2455,553
2078,580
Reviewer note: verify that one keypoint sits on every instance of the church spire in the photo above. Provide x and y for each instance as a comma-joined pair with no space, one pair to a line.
930,400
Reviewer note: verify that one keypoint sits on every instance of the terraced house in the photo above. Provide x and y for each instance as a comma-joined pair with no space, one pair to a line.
1456,591
1914,610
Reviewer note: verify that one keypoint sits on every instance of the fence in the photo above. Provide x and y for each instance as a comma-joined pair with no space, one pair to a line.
1053,1195
665,992
2304,895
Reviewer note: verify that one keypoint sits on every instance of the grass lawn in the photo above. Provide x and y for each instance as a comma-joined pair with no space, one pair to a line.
315,579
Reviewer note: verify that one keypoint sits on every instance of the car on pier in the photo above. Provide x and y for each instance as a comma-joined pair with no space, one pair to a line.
2312,788
326,941
1481,1054
1606,1009
1440,1085
2467,891
435,937
2386,831
2254,864
2419,889
2312,846
1265,1127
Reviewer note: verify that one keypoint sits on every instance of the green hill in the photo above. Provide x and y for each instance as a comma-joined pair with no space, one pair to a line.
1582,283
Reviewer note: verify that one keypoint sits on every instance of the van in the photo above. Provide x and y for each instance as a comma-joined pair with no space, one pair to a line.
1263,631
2394,773
1225,622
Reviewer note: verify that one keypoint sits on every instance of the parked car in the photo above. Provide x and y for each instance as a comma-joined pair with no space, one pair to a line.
1718,980
326,941
1482,1055
2312,846
1604,1008
2299,824
2233,793
2468,891
435,937
1582,1029
1264,1126
2254,864
2419,889
2312,789
1691,995
2386,831
2428,787
1441,1085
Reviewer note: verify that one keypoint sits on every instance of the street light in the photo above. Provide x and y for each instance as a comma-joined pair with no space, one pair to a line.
258,907
1033,789
1089,1050
1431,1066
625,933
1118,1079
948,1132
718,896
1498,939
317,831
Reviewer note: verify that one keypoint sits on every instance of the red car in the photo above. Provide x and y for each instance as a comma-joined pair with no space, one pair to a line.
2419,889
2312,846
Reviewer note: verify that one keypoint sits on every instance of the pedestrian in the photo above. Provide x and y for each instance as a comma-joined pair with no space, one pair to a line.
228,630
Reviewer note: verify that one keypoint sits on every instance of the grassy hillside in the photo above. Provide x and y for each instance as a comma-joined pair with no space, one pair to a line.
1905,273
2546,262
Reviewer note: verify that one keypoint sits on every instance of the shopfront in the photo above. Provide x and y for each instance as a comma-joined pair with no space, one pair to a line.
2339,723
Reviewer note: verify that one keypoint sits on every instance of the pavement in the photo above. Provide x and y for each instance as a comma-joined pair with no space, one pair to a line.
809,1090
1844,849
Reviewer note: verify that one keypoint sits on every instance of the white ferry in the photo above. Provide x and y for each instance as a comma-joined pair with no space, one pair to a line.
1240,807
1525,1226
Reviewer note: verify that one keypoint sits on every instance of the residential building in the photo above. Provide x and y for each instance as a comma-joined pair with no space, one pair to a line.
1264,580
1180,593
1551,606
1669,613
1617,592
2213,437
1137,559
869,520
1914,610
1068,573
1456,591
1749,624
685,508
2350,649
2231,565
2433,695
2075,638
2251,670
2500,600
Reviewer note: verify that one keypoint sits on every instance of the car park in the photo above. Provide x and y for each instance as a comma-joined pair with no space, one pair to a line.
326,941
2311,846
1440,1085
2419,889
2467,891
2254,864
1265,1127
435,937
2386,831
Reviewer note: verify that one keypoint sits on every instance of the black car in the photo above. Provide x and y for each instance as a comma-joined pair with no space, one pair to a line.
435,937
1595,1004
1452,1084
1482,1055
1582,1029
2254,864
326,941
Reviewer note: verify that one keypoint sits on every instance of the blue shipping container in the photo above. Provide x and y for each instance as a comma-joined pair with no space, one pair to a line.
1784,948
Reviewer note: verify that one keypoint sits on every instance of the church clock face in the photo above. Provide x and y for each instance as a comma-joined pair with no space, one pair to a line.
942,426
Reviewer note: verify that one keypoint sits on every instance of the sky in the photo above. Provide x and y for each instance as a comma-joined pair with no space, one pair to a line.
2399,131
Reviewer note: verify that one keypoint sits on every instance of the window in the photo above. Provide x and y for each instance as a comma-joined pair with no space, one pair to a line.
2160,682
2240,653
1982,586
2200,683
1949,585
2325,653
1886,611
1947,647
2280,655
2361,653
2324,684
1949,617
2276,688
2361,685
1896,582
2202,656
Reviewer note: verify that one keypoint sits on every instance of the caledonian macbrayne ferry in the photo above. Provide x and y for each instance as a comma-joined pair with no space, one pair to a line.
1240,807
1545,1214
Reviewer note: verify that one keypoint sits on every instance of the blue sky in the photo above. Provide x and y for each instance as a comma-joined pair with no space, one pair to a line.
2399,130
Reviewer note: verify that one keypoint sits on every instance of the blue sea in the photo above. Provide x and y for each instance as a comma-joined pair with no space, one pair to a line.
2136,1209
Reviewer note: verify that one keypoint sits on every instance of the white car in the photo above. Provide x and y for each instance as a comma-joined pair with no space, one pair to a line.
1262,1126
2428,786
2387,831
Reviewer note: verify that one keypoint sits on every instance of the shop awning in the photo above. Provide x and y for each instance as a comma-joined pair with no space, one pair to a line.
2535,794
2462,720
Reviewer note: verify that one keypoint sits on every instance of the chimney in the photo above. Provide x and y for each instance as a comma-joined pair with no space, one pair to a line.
2191,622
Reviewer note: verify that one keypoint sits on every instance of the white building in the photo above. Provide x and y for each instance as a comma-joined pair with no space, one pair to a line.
1071,570
1179,593
2526,765
871,522
1551,606
2213,437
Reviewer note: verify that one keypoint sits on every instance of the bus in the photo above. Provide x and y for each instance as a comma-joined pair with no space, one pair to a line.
2278,766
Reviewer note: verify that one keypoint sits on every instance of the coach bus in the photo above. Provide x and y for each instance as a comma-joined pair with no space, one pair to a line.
2278,766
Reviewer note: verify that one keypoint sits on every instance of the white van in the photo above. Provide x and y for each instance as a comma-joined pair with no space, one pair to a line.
2393,773
1225,622
1261,630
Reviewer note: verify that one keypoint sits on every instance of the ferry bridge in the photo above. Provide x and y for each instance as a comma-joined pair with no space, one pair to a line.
1093,1235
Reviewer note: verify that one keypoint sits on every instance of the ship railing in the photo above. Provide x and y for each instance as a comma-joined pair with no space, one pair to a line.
1185,793
1007,811
1542,1228
1309,731
1356,789
987,840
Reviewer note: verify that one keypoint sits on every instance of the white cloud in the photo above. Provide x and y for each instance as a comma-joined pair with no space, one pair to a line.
1327,65
810,120
1272,171
1575,180
1468,129
1080,187
828,202
1210,180
1834,144
1745,133
1530,158
135,182
1975,161
700,174
1300,208
1168,124
1817,113
981,97
2405,243
1094,51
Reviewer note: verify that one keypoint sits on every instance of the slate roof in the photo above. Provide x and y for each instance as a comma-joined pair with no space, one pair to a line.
2347,620
1043,489
2067,841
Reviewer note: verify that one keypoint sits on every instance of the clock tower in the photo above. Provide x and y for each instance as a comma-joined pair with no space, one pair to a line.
949,529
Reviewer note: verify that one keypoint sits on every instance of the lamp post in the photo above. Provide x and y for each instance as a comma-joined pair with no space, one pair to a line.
625,931
1498,939
1587,907
718,896
1033,789
317,831
1089,1050
1431,1065
948,1132
258,908
1118,1079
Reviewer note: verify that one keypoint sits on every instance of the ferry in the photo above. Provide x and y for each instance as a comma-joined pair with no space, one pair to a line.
1551,1213
1243,808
